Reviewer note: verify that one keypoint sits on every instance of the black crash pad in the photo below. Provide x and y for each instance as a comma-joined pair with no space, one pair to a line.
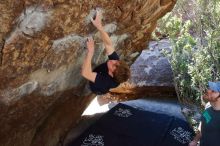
124,125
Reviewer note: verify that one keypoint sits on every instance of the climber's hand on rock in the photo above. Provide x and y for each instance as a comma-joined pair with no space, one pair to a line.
97,22
90,45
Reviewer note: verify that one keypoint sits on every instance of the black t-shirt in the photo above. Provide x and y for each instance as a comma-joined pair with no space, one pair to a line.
210,128
103,81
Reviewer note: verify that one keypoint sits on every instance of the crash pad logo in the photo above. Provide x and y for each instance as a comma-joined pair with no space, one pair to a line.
93,140
125,113
181,135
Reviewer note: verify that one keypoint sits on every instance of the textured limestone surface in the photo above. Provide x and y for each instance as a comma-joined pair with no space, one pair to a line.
42,46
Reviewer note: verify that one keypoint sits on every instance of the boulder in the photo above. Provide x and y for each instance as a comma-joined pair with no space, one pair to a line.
152,67
42,47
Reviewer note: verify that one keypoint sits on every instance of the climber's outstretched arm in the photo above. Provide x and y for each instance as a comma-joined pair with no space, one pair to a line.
87,65
97,22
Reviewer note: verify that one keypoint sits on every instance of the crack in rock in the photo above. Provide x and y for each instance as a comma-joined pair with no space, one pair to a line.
2,45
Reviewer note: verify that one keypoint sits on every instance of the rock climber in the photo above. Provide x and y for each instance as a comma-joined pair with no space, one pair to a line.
106,75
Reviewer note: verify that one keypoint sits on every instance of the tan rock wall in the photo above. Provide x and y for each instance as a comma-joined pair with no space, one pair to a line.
42,46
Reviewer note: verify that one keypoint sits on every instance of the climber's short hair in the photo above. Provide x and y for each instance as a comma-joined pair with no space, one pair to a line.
122,72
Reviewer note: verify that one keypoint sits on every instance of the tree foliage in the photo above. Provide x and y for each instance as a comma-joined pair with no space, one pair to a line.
194,29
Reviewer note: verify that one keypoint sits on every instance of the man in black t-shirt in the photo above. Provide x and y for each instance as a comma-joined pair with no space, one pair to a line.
209,130
109,74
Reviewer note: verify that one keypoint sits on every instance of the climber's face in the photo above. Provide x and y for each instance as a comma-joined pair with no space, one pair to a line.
112,65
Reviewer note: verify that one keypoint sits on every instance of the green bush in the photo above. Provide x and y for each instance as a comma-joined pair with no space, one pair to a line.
195,36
